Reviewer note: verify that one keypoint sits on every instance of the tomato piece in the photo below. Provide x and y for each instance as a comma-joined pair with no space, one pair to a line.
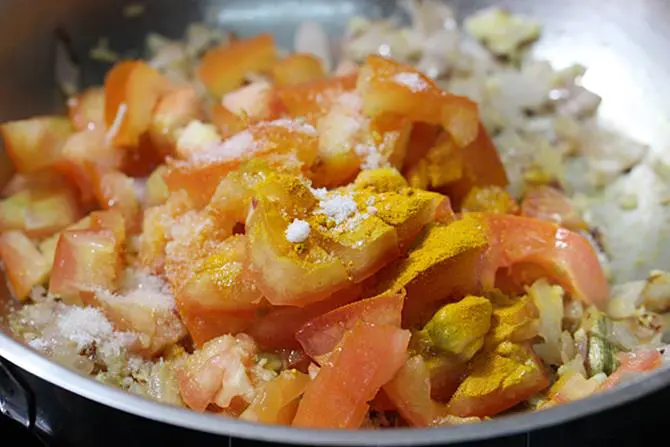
498,380
272,399
251,102
203,172
111,220
87,110
156,225
144,307
445,261
530,249
174,110
115,190
224,68
388,87
33,144
338,163
322,334
410,392
277,329
218,292
226,122
85,261
422,137
297,68
217,373
82,149
632,364
550,204
39,212
312,99
157,192
338,397
23,263
492,199
132,91
481,166
48,246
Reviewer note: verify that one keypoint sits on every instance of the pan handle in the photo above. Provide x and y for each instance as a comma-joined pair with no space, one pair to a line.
16,400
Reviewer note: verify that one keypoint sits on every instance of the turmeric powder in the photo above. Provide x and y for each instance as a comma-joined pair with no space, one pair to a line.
459,328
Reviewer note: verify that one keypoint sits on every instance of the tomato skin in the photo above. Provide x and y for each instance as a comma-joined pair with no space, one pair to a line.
338,397
322,334
33,144
87,110
386,87
85,260
24,265
132,91
311,99
498,380
270,404
410,392
277,329
633,363
550,204
223,68
531,248
298,68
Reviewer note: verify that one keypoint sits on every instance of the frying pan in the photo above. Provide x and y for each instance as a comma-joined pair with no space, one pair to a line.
623,43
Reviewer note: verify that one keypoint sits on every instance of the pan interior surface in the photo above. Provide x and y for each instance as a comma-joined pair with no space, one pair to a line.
623,47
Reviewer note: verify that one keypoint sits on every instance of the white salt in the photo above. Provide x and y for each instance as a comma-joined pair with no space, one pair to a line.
411,80
297,231
337,207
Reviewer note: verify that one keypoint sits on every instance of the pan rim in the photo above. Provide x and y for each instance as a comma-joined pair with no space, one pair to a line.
87,387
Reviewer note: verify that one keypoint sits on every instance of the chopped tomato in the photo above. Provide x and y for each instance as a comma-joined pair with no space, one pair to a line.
633,363
550,204
33,144
445,261
390,87
338,397
132,91
527,249
322,334
115,190
481,166
226,122
251,102
312,99
410,392
174,111
498,380
422,137
23,263
87,110
224,68
85,260
492,199
278,328
297,68
217,293
39,212
111,220
202,173
287,276
277,396
82,149
217,373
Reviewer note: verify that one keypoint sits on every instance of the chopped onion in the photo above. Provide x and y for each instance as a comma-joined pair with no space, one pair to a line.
549,301
625,300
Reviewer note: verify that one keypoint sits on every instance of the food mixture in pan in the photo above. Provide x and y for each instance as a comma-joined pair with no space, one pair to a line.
379,236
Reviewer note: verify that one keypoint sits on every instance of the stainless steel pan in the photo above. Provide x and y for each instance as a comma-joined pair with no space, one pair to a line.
624,43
